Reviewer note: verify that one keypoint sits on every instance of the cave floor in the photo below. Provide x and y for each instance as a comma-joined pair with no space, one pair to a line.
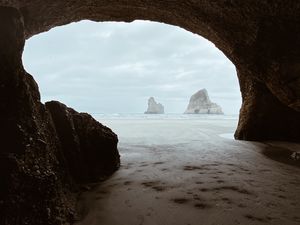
188,173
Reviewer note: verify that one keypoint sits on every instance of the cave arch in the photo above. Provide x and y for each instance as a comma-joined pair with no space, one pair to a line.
239,30
248,33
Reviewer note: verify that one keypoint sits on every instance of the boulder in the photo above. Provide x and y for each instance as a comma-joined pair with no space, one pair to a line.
153,107
201,104
89,147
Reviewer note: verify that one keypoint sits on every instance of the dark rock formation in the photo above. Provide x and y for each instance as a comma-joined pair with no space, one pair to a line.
260,37
89,147
201,104
34,180
264,117
36,184
154,107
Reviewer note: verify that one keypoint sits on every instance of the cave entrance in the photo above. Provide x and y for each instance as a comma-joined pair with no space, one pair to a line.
113,67
110,69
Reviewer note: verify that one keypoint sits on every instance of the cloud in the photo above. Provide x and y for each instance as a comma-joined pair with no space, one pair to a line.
114,67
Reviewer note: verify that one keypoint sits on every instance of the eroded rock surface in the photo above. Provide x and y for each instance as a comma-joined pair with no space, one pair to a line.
89,147
35,183
201,104
264,117
38,184
154,107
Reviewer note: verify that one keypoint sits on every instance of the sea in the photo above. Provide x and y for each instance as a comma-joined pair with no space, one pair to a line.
168,129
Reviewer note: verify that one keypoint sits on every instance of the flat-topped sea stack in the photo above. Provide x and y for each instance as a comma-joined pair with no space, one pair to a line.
154,107
201,104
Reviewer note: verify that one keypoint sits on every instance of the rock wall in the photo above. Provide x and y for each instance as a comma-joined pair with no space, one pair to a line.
37,186
263,116
34,179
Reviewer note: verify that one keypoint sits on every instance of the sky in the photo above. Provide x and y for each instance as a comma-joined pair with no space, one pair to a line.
114,67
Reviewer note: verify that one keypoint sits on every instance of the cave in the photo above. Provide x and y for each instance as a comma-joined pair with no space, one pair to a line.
259,37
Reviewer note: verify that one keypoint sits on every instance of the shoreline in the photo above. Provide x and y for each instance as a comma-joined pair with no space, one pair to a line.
196,178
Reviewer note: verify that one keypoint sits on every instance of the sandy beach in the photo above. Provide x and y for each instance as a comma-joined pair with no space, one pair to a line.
192,172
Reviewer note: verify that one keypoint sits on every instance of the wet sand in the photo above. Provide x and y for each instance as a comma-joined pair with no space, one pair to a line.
189,173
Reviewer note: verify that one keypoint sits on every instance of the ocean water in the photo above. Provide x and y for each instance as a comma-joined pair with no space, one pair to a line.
168,129
166,116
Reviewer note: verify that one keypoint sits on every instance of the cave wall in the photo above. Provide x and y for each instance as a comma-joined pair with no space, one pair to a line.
38,183
34,180
263,116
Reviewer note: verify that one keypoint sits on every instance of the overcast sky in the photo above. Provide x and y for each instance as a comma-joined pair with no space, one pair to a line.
115,67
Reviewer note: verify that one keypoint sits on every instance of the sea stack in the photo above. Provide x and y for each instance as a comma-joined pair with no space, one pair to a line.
201,104
154,107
